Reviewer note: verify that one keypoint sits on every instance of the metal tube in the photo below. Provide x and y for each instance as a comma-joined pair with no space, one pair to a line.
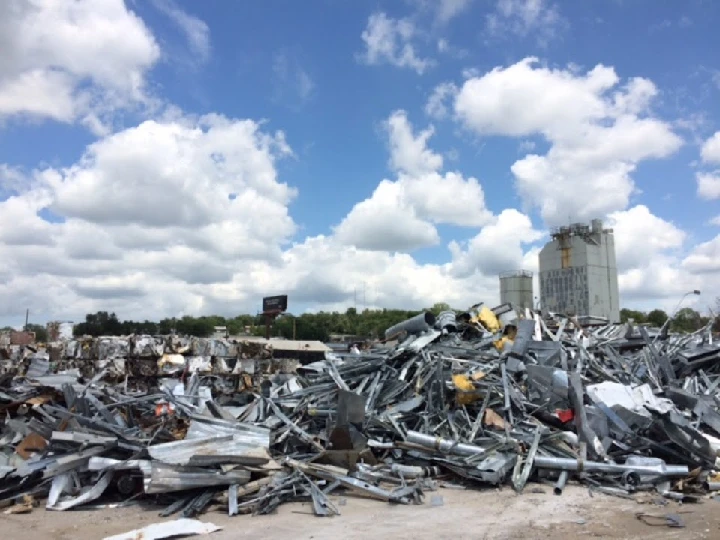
414,325
560,485
445,446
567,464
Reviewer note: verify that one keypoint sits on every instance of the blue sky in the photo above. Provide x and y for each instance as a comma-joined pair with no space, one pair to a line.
170,157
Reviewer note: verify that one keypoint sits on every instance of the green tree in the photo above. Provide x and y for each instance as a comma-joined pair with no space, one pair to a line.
638,316
657,317
41,334
439,307
687,320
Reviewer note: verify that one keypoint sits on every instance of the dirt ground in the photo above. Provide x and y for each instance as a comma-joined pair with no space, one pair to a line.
491,514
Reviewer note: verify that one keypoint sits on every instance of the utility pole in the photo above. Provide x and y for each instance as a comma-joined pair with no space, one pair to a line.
27,318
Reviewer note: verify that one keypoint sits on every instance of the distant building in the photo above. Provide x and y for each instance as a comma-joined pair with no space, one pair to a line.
517,288
578,273
59,331
220,332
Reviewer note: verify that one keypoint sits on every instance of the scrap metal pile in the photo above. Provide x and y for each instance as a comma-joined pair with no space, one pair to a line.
477,399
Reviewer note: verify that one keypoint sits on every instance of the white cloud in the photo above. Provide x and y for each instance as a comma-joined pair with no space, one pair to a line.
523,18
408,208
445,47
187,215
497,247
708,185
390,41
390,279
640,235
437,104
408,153
449,9
149,217
71,61
12,181
526,146
386,222
653,269
710,152
705,259
715,220
659,285
196,30
597,137
147,228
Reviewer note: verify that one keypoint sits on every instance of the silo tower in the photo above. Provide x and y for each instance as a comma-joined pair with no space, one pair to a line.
517,288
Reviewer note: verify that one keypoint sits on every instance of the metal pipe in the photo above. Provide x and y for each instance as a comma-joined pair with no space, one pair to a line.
415,325
446,319
413,471
445,446
712,486
560,485
567,464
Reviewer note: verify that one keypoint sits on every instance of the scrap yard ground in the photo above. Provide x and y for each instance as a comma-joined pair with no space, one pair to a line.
468,427
485,514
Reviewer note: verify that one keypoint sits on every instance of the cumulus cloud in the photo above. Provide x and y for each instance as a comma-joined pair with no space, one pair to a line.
710,152
152,209
640,235
598,132
705,259
386,222
708,185
498,246
73,61
188,215
523,18
649,252
390,41
408,153
408,208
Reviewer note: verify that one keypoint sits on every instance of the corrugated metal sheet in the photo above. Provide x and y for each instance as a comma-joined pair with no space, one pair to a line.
213,427
183,452
292,345
168,478
39,366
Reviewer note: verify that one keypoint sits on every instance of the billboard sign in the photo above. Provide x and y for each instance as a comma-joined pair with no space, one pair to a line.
275,304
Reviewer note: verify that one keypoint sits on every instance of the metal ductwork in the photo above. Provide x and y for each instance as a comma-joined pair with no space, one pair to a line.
415,325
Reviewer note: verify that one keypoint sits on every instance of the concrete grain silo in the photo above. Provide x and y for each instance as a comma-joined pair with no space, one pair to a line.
517,288
578,273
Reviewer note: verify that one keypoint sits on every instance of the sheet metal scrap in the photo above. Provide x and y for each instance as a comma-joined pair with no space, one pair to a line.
483,398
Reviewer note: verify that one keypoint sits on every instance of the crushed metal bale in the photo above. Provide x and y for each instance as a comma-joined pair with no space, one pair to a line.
484,398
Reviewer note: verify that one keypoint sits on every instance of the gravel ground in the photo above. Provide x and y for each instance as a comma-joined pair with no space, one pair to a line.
489,514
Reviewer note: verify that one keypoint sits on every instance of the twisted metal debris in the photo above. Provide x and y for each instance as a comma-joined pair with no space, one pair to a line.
483,398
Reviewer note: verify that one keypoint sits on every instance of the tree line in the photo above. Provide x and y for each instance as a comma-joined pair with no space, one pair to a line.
685,320
308,326
320,326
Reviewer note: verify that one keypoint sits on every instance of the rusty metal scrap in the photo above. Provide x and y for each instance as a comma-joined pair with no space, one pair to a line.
482,398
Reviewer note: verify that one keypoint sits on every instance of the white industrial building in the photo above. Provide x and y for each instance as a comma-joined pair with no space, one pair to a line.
578,272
